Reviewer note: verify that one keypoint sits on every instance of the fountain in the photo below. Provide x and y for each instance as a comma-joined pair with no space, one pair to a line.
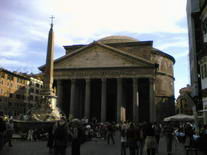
43,116
46,113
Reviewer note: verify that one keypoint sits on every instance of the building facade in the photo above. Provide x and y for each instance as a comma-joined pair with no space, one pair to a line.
12,92
197,25
116,78
33,92
18,92
184,102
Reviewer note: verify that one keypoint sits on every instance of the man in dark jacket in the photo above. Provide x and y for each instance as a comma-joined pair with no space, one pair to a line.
60,138
110,134
78,138
132,139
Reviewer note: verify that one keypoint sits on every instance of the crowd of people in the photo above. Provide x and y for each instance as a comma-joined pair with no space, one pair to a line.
135,138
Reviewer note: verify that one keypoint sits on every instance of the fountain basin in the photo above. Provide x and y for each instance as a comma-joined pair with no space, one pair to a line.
24,126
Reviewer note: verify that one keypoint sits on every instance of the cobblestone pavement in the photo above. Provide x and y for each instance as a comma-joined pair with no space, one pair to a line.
94,147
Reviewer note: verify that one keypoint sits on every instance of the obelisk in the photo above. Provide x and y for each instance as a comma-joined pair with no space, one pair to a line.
48,72
49,97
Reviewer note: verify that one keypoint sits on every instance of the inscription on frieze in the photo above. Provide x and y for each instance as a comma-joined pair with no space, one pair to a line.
73,74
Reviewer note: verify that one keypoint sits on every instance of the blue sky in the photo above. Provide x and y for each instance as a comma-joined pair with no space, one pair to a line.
24,27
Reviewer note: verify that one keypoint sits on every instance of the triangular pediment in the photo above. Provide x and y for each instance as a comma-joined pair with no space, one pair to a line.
100,55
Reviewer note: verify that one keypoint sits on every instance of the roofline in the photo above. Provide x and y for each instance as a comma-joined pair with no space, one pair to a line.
14,74
118,67
137,43
102,45
164,54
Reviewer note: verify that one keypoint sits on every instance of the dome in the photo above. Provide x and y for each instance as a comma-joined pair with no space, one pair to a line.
117,39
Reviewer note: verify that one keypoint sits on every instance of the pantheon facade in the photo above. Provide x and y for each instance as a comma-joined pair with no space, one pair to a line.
116,78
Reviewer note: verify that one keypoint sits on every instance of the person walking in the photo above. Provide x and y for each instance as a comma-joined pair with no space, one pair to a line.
60,138
131,139
110,134
10,131
168,132
30,135
157,135
50,141
142,137
123,133
150,142
78,138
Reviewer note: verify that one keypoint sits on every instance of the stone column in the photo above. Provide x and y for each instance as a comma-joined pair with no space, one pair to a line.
135,101
72,98
119,100
87,98
59,94
103,100
152,100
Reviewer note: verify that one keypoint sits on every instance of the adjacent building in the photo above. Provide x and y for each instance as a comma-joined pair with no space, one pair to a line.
197,27
18,92
184,102
12,92
34,91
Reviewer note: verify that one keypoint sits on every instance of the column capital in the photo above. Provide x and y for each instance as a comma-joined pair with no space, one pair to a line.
119,80
88,80
103,80
59,82
135,80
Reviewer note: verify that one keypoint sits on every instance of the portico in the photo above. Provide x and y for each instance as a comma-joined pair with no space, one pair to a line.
108,94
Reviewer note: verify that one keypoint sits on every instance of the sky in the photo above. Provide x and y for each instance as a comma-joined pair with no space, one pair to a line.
24,26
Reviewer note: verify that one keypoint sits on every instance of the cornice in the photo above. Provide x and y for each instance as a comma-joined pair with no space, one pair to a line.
165,74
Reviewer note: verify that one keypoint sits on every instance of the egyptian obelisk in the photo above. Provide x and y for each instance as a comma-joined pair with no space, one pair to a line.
49,97
48,72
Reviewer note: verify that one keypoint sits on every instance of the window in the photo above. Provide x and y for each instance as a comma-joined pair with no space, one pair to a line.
2,75
36,98
37,91
18,96
204,26
202,73
37,85
31,90
10,77
30,97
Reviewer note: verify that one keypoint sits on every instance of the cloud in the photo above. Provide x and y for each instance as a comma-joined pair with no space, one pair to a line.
78,18
11,48
16,65
10,62
182,44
